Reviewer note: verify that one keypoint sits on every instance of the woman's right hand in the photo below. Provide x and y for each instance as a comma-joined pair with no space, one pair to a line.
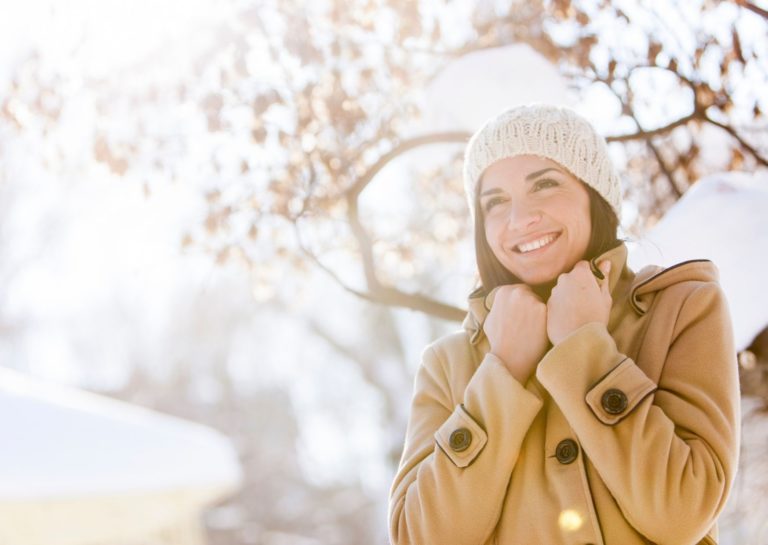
516,328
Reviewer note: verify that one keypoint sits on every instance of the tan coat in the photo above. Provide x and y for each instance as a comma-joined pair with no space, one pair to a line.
625,435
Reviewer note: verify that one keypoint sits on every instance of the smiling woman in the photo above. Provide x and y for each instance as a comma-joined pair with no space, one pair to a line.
582,403
603,224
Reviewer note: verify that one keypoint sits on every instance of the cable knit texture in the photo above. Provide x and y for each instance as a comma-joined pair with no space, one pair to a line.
554,132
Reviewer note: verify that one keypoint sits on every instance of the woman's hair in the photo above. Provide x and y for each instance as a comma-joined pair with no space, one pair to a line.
603,237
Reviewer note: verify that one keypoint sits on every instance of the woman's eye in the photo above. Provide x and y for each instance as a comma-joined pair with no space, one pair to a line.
545,183
490,203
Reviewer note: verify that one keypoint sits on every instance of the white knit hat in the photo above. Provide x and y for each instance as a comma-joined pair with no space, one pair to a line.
554,132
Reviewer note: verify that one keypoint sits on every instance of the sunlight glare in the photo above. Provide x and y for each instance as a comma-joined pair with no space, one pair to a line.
570,520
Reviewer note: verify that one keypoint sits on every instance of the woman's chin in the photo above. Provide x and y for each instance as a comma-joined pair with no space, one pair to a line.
541,284
539,279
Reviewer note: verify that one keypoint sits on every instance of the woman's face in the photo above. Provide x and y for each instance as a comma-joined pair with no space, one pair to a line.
536,217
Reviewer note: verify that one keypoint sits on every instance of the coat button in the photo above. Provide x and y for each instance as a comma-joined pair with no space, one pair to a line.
567,450
460,439
614,401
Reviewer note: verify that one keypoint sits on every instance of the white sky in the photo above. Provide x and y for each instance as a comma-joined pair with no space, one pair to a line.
104,35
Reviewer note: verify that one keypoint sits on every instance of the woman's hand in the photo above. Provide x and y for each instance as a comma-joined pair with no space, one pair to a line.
578,298
516,328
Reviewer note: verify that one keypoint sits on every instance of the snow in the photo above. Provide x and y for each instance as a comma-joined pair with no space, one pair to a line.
724,218
481,84
70,443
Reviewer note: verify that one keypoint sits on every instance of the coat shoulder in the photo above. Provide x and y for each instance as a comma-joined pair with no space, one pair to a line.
675,283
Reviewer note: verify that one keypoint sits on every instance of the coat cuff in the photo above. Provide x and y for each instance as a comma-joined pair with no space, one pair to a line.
461,438
587,367
615,396
496,409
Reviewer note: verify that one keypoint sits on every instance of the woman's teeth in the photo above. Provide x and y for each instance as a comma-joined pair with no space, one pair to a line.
535,244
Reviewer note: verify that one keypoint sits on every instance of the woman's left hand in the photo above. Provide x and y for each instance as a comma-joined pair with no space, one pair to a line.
578,298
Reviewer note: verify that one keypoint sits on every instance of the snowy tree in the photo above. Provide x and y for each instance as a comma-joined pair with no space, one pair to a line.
283,114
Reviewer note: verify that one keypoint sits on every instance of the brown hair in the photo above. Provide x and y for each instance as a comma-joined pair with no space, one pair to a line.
603,237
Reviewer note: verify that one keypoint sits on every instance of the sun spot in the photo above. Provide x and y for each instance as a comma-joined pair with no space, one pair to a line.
570,520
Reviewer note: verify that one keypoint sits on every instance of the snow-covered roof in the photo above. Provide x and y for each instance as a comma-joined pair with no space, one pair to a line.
723,217
479,85
61,442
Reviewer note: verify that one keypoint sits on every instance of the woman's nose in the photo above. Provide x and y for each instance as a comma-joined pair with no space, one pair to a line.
522,217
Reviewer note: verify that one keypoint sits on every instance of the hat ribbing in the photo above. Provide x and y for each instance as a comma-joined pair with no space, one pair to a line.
554,132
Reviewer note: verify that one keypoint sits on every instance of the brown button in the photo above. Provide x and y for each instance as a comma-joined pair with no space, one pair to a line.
614,401
567,451
460,439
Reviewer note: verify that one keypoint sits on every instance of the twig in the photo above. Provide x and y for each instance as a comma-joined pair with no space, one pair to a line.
646,134
389,296
753,8
659,159
316,260
664,169
730,130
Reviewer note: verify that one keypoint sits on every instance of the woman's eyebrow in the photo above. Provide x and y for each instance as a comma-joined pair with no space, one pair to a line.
490,191
538,173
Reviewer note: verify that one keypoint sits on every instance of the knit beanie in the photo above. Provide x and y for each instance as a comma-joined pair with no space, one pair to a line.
554,132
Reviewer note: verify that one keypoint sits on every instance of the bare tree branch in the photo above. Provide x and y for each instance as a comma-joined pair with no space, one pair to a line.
416,301
316,260
387,295
403,147
664,169
753,8
353,194
376,290
643,134
648,134
659,159
364,244
744,144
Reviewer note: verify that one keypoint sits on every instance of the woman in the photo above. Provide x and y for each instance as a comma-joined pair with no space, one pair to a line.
581,403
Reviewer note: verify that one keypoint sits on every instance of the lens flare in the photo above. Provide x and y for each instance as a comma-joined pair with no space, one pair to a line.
570,520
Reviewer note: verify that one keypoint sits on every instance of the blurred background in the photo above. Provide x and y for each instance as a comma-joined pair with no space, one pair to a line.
248,217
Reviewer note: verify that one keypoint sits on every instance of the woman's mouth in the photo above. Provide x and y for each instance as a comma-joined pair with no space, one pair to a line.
537,244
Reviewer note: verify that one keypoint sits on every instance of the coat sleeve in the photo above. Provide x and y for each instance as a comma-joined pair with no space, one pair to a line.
667,452
457,460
